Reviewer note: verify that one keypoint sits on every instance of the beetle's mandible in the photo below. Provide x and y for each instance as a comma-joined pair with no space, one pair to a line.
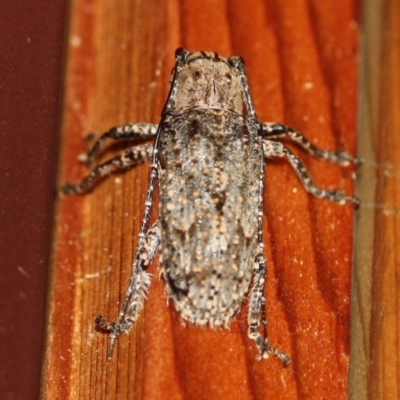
208,158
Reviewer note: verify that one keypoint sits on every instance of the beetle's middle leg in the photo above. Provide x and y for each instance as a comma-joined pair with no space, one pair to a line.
277,149
130,158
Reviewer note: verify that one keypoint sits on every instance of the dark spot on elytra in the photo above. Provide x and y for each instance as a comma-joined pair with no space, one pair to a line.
196,75
220,198
193,128
178,285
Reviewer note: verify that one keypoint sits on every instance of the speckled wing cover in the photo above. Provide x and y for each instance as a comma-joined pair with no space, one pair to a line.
210,167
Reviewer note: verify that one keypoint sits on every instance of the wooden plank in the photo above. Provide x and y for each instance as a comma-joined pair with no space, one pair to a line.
301,59
375,348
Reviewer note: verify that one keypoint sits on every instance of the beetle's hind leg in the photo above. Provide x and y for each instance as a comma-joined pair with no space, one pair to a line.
136,293
257,310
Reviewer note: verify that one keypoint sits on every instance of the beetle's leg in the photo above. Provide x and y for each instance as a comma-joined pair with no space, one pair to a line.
257,309
136,293
130,158
272,130
277,149
123,132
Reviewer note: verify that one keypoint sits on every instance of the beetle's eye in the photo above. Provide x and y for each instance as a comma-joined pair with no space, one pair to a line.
181,54
236,61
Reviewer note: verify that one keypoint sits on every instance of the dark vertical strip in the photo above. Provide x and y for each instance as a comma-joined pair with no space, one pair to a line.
32,38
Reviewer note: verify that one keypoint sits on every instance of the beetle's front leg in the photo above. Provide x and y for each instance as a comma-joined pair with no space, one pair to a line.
273,130
123,132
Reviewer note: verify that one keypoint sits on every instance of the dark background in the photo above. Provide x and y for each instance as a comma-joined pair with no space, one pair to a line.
32,42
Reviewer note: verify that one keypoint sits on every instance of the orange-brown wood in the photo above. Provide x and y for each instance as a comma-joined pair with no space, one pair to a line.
375,371
301,60
384,373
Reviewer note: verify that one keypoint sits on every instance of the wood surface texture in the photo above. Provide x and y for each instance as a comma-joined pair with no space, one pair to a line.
375,372
301,60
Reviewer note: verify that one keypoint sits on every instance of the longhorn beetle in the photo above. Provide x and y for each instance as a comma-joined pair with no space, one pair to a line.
208,158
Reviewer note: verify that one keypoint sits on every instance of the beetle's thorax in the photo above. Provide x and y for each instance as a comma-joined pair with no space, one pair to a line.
207,80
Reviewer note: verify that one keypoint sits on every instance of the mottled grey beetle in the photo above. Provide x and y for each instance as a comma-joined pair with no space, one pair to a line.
208,157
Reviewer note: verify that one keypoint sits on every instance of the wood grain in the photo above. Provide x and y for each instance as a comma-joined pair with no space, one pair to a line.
375,370
301,59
